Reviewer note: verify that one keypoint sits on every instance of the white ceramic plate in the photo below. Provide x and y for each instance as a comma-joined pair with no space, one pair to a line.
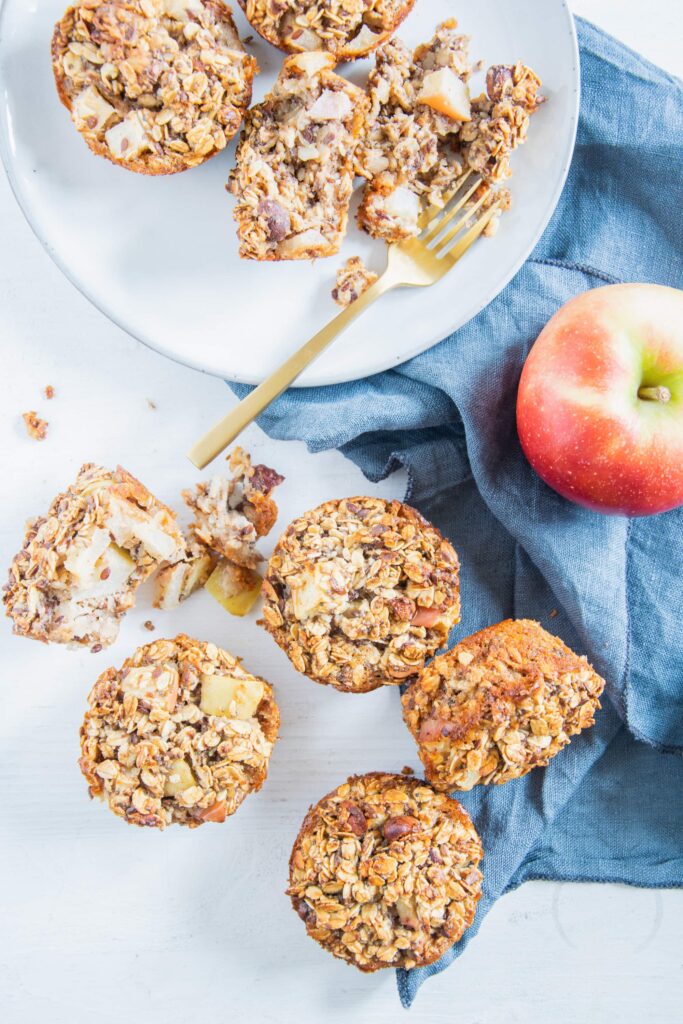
159,255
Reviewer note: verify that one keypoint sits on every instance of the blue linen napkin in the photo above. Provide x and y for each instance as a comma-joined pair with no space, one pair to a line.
610,807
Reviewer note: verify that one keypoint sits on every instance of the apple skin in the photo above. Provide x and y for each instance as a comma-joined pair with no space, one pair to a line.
582,423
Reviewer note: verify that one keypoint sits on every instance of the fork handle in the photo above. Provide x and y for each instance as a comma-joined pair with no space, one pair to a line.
227,429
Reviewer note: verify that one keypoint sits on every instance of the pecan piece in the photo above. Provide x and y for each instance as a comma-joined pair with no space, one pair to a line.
402,825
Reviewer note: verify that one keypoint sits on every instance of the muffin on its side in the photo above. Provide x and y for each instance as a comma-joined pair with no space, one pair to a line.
155,86
348,29
180,734
360,592
384,872
294,173
500,703
81,564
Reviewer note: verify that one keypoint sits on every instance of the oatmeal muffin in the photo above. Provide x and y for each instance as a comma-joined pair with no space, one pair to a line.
360,592
155,86
82,563
500,703
425,131
180,734
353,279
294,173
384,872
346,28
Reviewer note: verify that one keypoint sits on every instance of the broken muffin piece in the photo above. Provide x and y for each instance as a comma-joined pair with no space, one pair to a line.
294,173
180,734
175,583
231,513
424,131
81,564
155,86
349,29
353,279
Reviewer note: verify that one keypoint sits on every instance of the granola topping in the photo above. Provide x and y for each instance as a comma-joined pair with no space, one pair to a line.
360,592
82,563
500,703
154,85
384,872
181,734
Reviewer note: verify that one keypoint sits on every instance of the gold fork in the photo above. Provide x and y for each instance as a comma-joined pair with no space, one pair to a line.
417,262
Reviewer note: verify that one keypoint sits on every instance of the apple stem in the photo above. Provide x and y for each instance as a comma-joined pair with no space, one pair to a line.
655,394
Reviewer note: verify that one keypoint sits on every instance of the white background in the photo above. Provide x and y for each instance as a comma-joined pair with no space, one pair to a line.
100,922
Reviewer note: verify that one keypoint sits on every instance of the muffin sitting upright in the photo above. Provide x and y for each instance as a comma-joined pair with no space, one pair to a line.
385,872
180,734
346,28
360,592
500,703
155,86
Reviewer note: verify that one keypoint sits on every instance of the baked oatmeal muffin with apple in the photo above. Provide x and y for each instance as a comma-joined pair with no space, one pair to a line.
348,29
180,734
500,703
360,592
81,564
385,872
294,173
155,86
425,131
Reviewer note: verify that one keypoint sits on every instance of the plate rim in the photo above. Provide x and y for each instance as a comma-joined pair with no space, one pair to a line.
313,379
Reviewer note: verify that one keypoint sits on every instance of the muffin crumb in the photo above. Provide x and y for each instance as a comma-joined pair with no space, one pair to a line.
35,427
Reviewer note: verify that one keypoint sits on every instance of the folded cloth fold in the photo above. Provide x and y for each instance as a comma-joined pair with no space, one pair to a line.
609,807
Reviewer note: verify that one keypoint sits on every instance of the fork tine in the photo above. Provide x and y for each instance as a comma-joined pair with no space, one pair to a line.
437,224
452,255
431,211
457,228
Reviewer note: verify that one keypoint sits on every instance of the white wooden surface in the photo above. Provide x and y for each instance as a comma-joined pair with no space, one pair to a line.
99,922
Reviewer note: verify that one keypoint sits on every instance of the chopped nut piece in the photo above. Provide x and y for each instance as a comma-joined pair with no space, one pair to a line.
294,173
424,131
158,761
339,584
49,391
346,28
500,703
386,896
35,427
81,565
352,280
156,86
149,626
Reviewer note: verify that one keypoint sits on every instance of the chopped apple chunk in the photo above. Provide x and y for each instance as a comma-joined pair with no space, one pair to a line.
228,697
444,92
158,687
234,587
181,778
